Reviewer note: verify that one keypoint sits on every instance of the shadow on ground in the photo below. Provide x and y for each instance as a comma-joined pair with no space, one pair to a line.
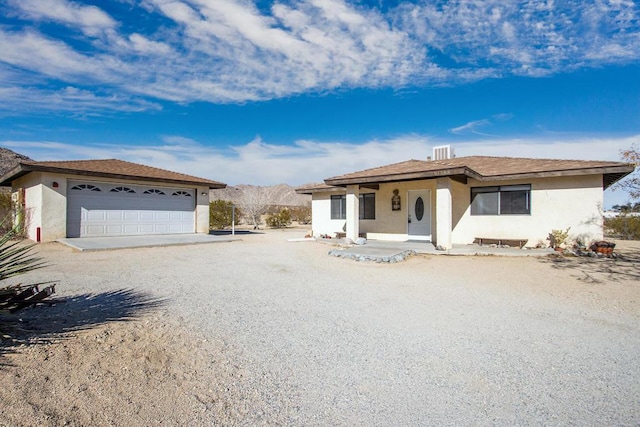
625,266
53,319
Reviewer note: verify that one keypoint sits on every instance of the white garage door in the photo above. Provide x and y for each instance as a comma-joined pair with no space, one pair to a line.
97,209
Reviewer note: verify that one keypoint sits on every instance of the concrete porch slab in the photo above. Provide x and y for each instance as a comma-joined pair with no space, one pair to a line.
385,251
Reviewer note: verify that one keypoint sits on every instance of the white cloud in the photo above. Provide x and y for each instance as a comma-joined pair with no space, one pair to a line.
533,37
90,19
261,163
53,58
470,127
474,126
68,100
143,45
224,51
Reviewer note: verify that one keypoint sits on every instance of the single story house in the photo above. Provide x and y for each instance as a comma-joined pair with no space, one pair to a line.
91,198
465,199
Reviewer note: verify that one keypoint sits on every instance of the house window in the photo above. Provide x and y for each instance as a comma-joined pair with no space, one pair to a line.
339,207
504,200
367,206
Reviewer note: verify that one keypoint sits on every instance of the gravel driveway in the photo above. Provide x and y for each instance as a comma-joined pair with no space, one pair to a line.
435,340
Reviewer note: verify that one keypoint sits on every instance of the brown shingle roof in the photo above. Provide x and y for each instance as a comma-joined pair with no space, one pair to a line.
316,187
484,168
111,168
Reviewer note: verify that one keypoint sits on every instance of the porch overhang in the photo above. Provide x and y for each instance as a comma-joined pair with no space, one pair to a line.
459,174
610,175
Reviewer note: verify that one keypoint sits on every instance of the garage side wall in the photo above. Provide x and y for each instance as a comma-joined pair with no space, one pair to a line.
31,188
45,205
54,207
202,210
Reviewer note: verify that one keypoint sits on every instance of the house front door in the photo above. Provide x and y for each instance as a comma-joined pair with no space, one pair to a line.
419,215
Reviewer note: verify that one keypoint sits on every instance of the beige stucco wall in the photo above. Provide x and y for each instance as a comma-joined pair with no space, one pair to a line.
556,203
388,225
321,222
52,220
202,210
32,202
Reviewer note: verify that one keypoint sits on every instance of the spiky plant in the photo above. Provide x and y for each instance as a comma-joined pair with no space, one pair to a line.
15,259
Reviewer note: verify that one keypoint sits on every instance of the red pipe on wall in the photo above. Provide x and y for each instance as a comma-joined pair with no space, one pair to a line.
38,234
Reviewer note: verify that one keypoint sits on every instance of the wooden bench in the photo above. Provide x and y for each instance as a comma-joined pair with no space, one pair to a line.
493,241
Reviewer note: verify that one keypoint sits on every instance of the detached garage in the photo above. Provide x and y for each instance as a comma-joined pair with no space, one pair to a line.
92,198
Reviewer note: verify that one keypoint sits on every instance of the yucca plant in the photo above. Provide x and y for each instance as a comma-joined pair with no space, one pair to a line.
15,259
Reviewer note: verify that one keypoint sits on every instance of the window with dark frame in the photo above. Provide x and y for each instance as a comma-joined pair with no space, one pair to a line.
339,207
503,200
367,206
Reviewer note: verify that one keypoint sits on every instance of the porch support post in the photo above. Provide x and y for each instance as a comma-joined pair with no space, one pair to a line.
444,206
353,212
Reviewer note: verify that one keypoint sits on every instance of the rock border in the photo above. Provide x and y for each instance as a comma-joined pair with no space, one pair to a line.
373,258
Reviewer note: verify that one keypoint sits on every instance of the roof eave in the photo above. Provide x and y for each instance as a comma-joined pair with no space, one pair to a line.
24,168
13,174
609,170
614,174
311,191
405,176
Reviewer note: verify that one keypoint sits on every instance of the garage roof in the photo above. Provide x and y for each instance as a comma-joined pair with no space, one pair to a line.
111,168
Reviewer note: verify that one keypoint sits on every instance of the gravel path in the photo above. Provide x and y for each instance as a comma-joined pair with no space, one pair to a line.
319,340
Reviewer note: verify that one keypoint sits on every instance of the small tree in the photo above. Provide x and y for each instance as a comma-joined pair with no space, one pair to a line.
255,202
280,219
301,214
632,182
221,214
7,212
625,226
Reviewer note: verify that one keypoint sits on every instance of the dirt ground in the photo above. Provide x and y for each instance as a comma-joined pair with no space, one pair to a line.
61,366
144,371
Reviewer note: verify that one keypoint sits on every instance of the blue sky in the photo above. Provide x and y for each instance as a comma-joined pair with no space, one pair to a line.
264,92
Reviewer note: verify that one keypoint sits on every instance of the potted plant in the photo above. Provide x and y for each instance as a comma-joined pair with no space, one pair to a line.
558,238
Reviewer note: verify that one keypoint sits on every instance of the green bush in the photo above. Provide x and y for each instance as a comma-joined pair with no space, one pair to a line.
301,214
12,216
623,226
280,219
221,214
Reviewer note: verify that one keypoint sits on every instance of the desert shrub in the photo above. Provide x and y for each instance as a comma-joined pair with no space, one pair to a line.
280,219
624,226
301,214
221,214
6,213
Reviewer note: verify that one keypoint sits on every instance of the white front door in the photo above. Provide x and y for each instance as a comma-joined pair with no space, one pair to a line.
419,215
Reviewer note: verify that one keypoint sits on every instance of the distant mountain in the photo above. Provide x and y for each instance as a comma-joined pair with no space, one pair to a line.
281,194
9,159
